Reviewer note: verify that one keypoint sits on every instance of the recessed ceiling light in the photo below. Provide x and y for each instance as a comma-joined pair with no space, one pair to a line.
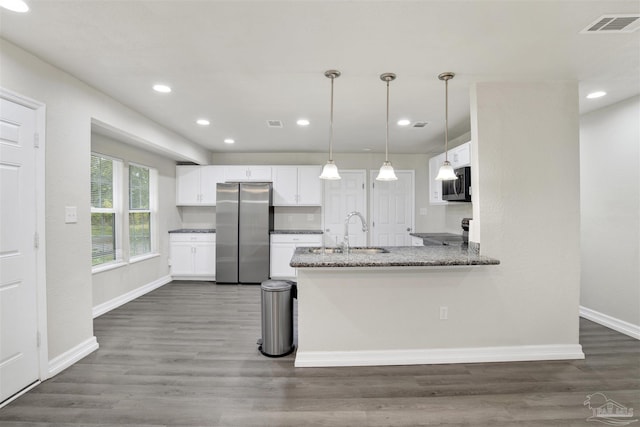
366,149
303,122
15,5
597,94
203,122
162,88
229,141
404,122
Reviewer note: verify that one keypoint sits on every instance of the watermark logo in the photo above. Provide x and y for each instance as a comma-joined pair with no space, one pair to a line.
608,411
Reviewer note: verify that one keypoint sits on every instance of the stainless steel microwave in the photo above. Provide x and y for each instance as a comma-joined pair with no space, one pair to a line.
458,190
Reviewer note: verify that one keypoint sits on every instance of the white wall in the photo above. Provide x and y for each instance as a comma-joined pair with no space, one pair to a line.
527,143
111,284
610,210
71,105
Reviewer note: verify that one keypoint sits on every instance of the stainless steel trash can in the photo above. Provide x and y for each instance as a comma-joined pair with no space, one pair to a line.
277,317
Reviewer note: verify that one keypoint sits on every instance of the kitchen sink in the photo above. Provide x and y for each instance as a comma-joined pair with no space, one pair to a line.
368,251
356,250
325,250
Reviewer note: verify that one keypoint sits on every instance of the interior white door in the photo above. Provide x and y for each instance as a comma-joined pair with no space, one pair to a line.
341,197
19,359
392,209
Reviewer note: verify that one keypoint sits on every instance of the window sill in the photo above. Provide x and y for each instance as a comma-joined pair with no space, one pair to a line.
143,257
107,267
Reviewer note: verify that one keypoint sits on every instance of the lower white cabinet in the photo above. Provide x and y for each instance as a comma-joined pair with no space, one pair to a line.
193,256
282,248
417,241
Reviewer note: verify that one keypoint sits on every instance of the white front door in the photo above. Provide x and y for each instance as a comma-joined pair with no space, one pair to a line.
392,207
341,197
19,359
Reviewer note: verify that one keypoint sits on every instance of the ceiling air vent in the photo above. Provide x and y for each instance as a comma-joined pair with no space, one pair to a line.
274,123
613,24
420,124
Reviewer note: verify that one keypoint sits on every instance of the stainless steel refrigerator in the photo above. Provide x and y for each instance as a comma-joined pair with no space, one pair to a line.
244,218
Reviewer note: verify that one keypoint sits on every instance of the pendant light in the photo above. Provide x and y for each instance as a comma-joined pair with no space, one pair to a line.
446,173
386,170
330,170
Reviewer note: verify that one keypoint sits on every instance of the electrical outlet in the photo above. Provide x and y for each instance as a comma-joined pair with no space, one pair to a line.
309,217
290,218
444,313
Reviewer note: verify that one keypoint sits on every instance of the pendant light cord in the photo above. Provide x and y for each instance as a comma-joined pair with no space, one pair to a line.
331,125
386,144
446,120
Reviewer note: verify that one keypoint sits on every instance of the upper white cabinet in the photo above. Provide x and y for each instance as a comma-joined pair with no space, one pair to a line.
297,186
459,156
196,185
247,173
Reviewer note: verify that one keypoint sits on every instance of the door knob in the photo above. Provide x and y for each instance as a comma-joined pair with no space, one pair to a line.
408,228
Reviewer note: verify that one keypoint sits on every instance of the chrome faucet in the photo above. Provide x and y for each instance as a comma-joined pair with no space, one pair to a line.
345,243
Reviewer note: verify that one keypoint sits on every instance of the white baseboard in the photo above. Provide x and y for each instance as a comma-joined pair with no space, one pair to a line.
69,357
116,302
611,322
438,356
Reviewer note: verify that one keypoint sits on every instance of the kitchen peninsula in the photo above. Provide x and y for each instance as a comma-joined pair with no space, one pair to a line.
393,306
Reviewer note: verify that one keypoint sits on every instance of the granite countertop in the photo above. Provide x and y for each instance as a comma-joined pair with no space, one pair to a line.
296,231
193,230
398,256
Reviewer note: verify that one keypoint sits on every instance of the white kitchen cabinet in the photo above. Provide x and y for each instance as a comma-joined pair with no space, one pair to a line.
196,185
282,248
297,186
247,173
193,256
460,156
417,241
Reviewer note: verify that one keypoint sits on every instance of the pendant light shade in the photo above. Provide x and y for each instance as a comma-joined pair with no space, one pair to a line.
446,173
386,170
330,170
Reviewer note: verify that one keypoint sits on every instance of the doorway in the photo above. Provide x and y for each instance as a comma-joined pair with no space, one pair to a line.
392,209
341,197
23,353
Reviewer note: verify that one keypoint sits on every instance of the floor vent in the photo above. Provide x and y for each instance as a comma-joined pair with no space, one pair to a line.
613,24
274,123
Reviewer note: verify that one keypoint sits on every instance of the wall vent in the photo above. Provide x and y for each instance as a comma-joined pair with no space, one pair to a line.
420,124
613,24
274,123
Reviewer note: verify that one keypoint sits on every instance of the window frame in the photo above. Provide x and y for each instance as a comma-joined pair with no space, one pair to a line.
153,212
116,210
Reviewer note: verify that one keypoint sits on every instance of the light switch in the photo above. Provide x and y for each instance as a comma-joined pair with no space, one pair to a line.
70,214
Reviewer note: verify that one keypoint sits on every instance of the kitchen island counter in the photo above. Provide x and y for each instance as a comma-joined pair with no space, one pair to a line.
397,256
412,305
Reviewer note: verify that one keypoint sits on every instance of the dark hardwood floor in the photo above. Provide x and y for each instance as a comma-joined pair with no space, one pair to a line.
185,355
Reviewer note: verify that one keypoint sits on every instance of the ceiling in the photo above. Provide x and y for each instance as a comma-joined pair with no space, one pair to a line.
241,63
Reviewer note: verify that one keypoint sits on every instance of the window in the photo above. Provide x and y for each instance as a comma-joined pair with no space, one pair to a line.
142,190
105,209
